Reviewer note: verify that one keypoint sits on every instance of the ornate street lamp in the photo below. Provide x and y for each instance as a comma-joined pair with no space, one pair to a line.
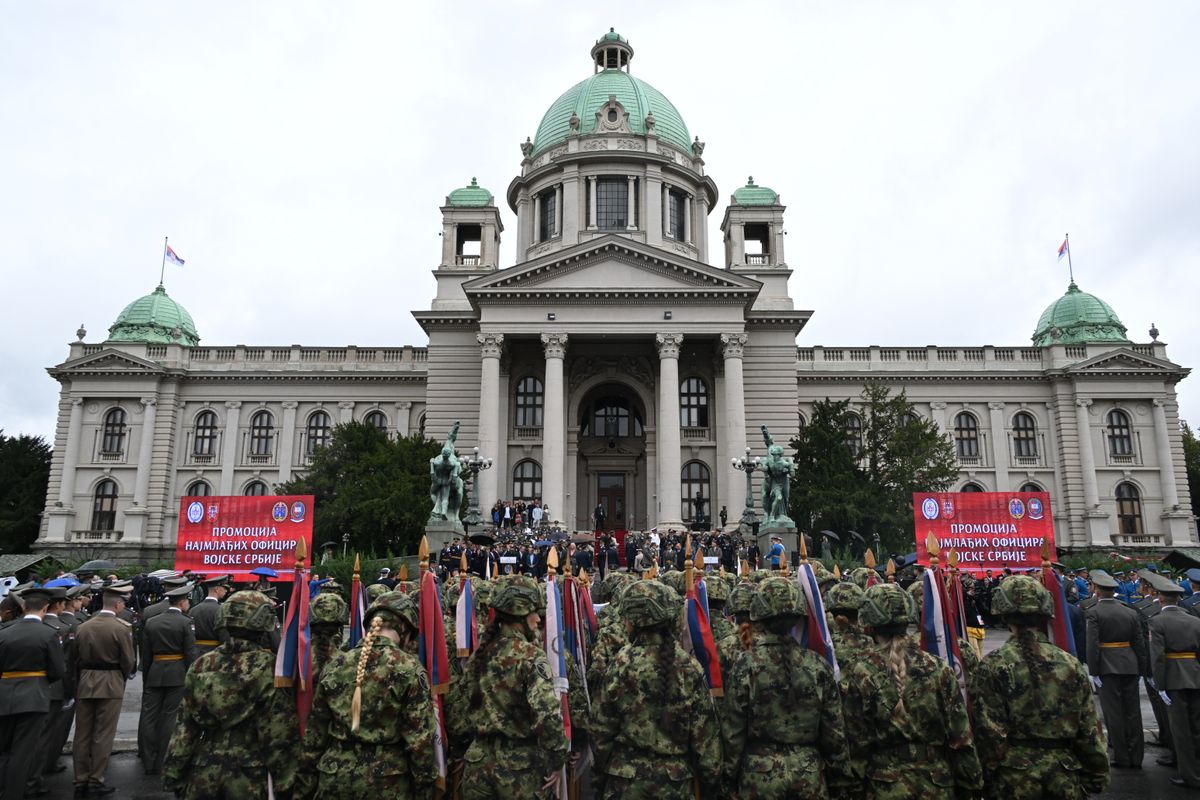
471,466
748,465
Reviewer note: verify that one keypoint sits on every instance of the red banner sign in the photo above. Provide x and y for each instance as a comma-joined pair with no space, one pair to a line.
989,530
239,534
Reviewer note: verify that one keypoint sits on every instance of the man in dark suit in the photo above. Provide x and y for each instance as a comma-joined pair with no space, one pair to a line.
168,649
583,558
1116,658
31,658
598,516
1174,642
104,645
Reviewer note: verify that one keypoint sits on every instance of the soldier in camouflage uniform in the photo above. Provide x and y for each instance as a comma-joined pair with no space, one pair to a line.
841,602
234,726
511,714
729,648
861,576
905,717
611,636
376,590
969,660
328,615
372,729
719,587
782,716
1035,722
654,727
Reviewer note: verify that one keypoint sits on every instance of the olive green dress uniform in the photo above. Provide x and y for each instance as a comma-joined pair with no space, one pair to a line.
1174,643
30,659
1116,653
60,691
104,646
168,649
66,717
209,634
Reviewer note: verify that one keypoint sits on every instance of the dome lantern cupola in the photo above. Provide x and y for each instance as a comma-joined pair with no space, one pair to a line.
612,51
1078,318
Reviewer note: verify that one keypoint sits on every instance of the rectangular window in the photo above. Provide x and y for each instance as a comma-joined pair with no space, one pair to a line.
675,216
546,222
612,204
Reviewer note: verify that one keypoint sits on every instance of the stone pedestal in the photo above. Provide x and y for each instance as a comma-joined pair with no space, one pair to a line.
789,537
440,534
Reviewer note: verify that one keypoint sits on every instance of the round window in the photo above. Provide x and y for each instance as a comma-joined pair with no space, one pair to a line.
612,115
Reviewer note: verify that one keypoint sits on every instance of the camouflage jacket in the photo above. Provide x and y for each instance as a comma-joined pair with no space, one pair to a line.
651,720
849,643
782,722
324,647
393,748
1037,727
234,727
721,627
609,642
925,752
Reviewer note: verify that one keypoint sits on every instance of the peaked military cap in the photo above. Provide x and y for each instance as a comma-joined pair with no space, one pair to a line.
216,580
181,591
36,591
1193,575
1103,580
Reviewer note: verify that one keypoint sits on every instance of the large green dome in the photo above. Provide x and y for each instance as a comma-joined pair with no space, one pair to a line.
1077,318
638,98
154,318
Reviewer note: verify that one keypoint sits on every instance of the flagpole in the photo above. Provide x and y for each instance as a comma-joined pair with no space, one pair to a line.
1070,266
163,269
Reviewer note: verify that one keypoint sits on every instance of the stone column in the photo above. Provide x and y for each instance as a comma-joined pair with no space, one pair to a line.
141,489
403,417
1087,458
999,445
491,345
666,212
734,496
66,491
554,436
938,411
1166,464
537,218
687,219
558,209
631,204
701,211
669,466
230,444
591,182
287,440
345,411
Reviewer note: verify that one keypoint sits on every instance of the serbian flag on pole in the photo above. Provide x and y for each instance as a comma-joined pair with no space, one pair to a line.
555,654
466,628
358,610
432,652
293,662
814,633
1063,249
938,637
173,257
704,647
1060,626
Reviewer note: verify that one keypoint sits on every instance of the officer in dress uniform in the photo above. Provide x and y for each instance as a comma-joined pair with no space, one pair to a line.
1174,642
78,596
30,659
1116,657
1192,602
168,649
1148,608
206,614
60,691
169,583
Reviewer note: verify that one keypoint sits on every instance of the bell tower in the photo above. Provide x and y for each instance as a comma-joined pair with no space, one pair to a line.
754,234
471,230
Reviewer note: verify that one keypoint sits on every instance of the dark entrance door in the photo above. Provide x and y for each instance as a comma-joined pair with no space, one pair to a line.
610,492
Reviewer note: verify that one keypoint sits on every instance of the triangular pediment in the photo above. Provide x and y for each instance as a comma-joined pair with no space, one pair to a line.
612,265
1123,361
109,361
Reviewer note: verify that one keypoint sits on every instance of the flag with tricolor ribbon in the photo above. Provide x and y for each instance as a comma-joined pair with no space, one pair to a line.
704,647
293,661
1065,248
556,656
938,635
172,256
814,631
358,606
466,627
431,650
1060,627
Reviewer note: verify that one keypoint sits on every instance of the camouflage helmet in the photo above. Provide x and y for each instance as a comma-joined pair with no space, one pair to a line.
778,597
859,576
844,596
718,587
249,610
483,593
517,596
739,598
646,604
397,606
377,589
886,604
328,607
674,579
1021,594
916,590
451,591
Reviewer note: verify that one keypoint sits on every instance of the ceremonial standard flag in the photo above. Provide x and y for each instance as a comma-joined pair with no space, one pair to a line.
358,609
1063,249
432,652
814,632
1060,626
293,662
704,647
172,256
938,636
466,627
555,647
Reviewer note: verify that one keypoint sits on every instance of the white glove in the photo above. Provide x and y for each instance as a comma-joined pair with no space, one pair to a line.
1166,700
67,706
1096,682
1150,682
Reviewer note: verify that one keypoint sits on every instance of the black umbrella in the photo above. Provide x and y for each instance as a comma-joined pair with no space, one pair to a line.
482,538
831,535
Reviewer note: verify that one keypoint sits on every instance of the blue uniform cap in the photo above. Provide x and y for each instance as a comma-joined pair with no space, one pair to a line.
1193,575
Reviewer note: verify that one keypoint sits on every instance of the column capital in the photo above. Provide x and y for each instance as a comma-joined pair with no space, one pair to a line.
233,404
76,401
938,406
1159,402
996,405
289,405
732,344
668,344
554,345
491,345
404,405
149,401
345,405
1083,402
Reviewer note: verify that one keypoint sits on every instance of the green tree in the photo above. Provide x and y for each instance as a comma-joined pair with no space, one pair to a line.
372,487
1191,459
858,465
24,476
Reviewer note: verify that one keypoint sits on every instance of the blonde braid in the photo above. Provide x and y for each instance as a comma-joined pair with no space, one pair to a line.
898,667
745,635
356,703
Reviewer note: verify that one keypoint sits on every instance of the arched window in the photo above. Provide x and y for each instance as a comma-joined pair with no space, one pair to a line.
854,434
801,421
1024,435
377,420
612,417
911,417
1120,434
693,403
104,506
529,402
262,429
1031,487
198,489
966,435
1129,509
255,489
204,437
694,480
971,487
113,440
319,431
527,481
421,426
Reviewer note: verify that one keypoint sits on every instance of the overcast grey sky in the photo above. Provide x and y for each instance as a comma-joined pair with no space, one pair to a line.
931,156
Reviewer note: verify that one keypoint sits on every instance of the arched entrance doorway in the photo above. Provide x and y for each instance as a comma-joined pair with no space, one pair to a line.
611,467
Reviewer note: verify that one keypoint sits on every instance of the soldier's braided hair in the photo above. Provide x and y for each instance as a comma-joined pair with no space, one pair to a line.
368,643
895,645
746,635
1026,624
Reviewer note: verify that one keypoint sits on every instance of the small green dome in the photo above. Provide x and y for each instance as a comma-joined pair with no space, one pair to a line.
473,196
613,36
751,195
154,318
1077,318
